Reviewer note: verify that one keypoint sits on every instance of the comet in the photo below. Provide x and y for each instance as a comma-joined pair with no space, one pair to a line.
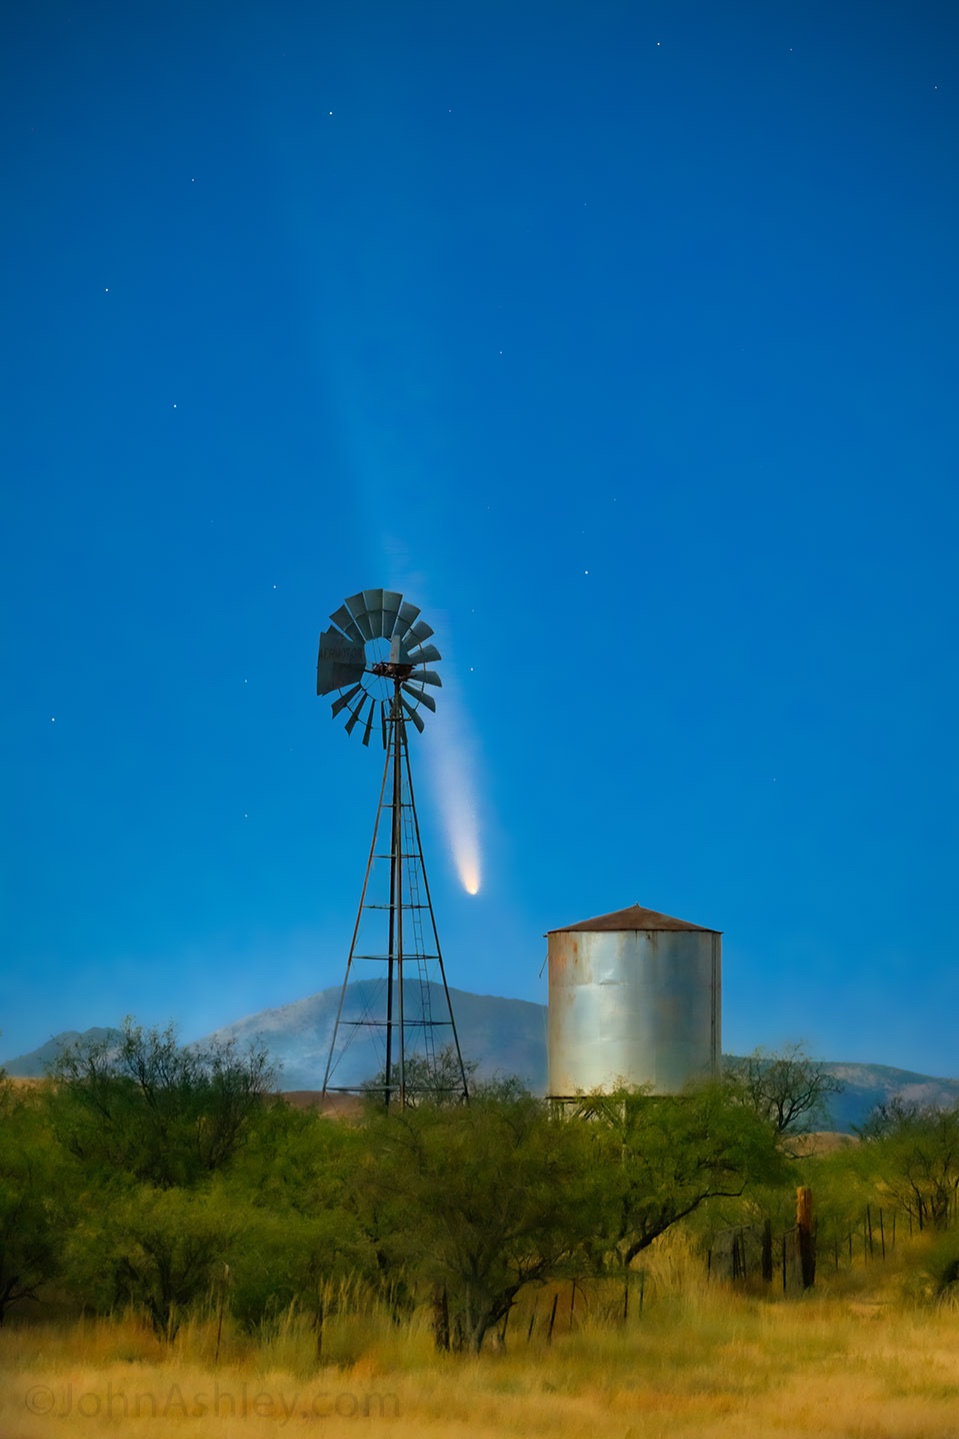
452,775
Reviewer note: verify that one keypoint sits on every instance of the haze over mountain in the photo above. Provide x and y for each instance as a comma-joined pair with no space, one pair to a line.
503,1037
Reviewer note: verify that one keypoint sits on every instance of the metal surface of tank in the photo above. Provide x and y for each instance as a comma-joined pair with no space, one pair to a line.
634,999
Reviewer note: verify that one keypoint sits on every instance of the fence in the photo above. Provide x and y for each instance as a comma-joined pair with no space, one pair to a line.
789,1256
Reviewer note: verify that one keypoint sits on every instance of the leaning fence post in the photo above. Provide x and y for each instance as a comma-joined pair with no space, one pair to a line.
219,1315
552,1318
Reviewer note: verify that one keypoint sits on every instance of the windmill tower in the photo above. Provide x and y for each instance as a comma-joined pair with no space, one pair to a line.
376,655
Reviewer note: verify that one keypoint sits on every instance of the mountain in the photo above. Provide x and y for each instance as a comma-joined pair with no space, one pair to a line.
504,1036
866,1085
35,1064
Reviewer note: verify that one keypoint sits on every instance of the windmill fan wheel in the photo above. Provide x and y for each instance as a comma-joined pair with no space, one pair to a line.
375,652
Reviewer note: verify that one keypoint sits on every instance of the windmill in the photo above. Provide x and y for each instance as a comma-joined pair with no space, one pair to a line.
376,655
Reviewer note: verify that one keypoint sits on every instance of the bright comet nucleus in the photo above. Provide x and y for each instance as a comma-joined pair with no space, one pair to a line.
466,858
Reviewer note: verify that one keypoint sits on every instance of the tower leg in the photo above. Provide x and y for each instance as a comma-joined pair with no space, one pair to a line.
405,945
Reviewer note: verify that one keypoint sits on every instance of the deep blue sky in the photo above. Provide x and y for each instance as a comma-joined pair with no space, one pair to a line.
622,338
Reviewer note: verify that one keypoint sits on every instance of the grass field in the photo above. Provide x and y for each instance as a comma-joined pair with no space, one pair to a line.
858,1358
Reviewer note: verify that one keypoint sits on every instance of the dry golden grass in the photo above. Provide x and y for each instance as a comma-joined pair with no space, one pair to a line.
699,1363
820,1142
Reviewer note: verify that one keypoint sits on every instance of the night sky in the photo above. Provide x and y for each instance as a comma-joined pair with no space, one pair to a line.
622,339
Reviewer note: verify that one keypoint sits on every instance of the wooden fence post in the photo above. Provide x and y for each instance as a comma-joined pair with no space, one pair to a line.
767,1251
804,1236
441,1318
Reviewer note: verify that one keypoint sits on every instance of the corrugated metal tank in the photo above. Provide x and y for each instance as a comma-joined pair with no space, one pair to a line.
635,998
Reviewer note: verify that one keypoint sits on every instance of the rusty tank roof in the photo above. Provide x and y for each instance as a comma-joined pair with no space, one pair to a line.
632,918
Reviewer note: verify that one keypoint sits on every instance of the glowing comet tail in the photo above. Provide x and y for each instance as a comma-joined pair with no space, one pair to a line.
450,762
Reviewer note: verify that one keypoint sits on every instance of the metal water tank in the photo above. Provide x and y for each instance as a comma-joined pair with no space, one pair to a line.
634,999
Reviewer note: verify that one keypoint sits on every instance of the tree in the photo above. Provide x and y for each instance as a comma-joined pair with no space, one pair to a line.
473,1203
34,1204
437,1082
166,1115
789,1090
285,1259
296,1177
663,1156
913,1150
157,1249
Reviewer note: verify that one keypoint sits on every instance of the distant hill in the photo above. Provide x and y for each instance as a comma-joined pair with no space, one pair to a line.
866,1085
505,1036
35,1064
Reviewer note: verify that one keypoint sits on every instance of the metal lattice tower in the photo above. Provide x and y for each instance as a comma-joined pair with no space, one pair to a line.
375,655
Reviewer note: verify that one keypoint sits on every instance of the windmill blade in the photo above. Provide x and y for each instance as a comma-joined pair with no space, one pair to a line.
420,631
373,600
391,609
338,662
383,721
424,654
344,700
347,624
369,722
421,697
411,714
357,609
426,677
407,614
355,714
